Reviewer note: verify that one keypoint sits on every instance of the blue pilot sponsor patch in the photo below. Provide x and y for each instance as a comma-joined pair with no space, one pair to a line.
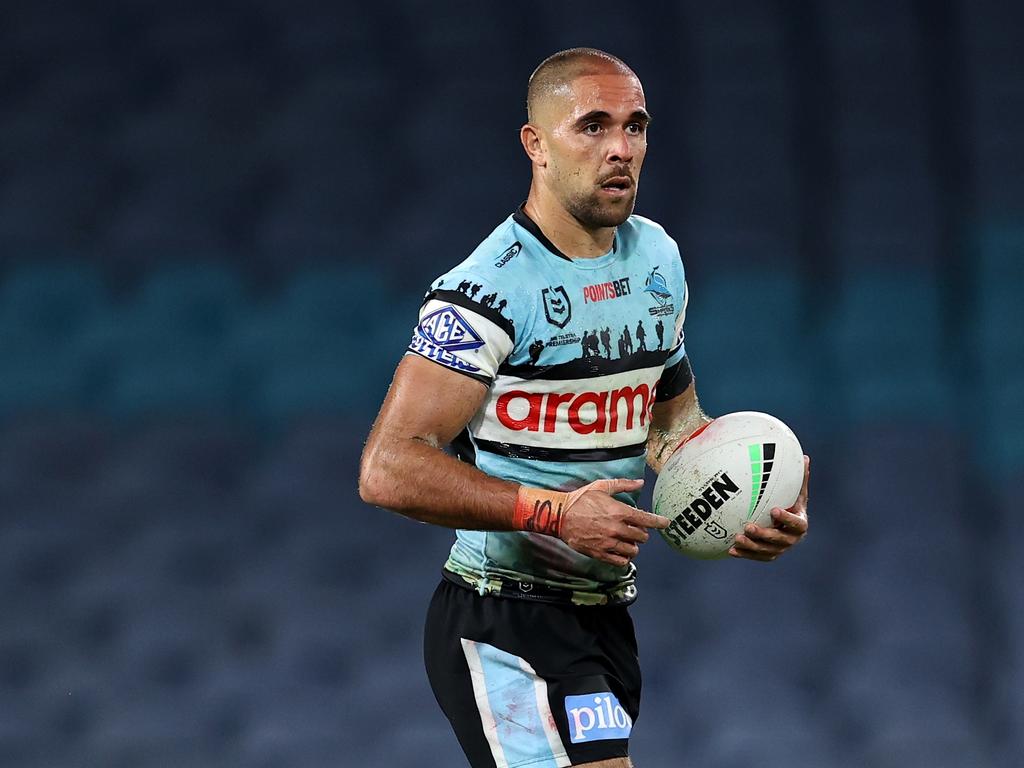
596,716
447,329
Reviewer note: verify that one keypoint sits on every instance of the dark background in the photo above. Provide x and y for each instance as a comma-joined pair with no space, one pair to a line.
216,221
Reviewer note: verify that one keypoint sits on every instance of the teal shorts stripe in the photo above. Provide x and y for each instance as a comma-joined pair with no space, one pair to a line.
514,709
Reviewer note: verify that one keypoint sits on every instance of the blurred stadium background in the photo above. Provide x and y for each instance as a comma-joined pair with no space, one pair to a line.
216,220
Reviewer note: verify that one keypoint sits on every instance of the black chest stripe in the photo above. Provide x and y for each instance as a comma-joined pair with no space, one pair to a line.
538,453
586,367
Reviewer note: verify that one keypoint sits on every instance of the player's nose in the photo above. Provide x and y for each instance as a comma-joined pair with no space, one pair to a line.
619,148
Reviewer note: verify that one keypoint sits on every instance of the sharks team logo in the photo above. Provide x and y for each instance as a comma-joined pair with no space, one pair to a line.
557,308
657,286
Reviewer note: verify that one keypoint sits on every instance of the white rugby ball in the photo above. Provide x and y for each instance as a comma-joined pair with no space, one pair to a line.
732,472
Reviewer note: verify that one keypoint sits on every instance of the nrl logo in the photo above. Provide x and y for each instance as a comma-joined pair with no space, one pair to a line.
557,308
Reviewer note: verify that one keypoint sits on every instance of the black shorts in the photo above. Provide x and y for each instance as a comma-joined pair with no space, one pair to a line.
528,683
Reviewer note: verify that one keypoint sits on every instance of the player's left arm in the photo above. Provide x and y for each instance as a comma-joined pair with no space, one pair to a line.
674,420
671,422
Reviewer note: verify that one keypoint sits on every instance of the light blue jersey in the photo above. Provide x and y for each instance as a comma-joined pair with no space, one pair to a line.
574,354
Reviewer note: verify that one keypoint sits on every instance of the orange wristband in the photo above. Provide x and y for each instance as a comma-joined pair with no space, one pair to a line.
539,511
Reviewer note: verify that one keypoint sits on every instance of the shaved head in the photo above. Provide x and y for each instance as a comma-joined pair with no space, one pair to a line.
586,137
556,73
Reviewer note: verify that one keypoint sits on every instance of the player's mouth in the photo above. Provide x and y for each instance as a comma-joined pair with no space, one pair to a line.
617,186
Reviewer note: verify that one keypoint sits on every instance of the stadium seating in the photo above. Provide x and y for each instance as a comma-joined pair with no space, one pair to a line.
216,225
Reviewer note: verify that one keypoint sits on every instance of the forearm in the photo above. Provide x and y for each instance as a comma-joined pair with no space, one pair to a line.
419,480
671,423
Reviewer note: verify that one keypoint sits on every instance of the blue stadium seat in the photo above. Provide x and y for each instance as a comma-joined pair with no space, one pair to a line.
168,382
886,212
1001,438
164,222
324,346
197,33
63,451
998,255
50,206
914,476
313,37
88,96
43,381
233,100
993,69
196,302
740,141
886,349
744,339
908,714
998,343
51,303
38,36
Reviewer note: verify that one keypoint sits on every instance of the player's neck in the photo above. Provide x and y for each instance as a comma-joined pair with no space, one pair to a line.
564,230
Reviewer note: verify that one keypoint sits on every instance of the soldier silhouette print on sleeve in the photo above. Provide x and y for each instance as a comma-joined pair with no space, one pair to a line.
471,289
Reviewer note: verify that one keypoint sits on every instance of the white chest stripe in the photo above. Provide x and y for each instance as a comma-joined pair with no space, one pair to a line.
602,412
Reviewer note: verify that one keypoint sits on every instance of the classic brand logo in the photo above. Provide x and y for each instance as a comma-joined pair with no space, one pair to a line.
557,308
696,515
762,457
586,412
449,330
596,716
510,253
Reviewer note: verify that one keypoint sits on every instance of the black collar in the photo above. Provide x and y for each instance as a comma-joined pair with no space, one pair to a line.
522,218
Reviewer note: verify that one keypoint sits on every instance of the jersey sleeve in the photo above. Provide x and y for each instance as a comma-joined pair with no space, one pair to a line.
677,375
462,327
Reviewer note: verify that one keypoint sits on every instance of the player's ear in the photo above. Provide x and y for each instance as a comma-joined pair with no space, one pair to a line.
533,143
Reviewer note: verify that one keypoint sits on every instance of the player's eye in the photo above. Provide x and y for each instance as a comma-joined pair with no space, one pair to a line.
592,128
634,129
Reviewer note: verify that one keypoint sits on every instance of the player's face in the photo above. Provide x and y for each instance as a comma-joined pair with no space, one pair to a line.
596,147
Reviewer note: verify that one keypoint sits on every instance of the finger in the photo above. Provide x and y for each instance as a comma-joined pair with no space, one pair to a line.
745,554
616,485
610,557
632,534
801,499
745,543
646,520
770,535
791,522
625,549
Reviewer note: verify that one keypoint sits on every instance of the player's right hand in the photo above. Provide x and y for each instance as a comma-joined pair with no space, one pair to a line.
601,527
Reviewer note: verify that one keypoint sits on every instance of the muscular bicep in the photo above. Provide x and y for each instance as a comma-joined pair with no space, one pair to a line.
427,402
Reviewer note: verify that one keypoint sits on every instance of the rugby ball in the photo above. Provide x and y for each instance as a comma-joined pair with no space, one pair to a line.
733,471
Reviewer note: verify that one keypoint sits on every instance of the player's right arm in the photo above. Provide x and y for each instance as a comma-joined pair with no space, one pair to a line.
404,468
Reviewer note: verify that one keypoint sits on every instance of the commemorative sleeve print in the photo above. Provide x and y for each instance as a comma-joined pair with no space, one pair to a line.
678,375
464,324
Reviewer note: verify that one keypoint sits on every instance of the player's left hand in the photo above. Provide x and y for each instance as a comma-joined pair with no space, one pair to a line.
788,527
